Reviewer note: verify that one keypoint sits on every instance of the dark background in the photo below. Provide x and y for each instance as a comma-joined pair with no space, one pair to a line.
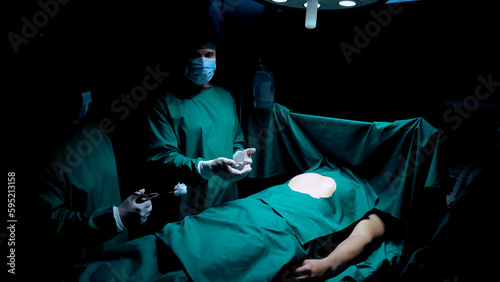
429,53
426,59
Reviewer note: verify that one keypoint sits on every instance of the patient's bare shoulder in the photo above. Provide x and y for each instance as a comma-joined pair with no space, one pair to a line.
372,227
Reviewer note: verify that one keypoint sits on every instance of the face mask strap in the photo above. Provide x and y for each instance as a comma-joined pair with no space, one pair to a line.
86,99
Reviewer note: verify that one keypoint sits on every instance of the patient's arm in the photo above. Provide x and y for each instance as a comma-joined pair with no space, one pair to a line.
364,233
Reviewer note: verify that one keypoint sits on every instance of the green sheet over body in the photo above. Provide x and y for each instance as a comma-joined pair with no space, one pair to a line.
396,158
252,239
310,217
242,240
396,161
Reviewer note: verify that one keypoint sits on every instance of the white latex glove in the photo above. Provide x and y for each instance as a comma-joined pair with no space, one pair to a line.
210,168
243,158
135,209
224,168
180,189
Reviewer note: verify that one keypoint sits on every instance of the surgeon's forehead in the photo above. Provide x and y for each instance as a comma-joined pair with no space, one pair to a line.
203,52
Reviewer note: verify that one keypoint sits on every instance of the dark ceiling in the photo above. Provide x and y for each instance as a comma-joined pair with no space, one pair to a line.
378,62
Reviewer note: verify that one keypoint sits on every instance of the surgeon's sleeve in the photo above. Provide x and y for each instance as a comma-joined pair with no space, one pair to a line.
239,140
58,207
164,151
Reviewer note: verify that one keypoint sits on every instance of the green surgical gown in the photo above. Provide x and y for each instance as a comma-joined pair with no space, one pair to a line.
185,130
75,199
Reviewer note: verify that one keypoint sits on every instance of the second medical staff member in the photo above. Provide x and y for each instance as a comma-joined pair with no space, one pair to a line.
77,205
195,135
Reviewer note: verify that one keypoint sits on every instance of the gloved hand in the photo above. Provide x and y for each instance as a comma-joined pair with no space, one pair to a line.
135,209
180,189
218,166
228,169
243,158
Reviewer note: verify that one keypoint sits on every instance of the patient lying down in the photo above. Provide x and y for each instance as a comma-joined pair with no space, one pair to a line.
364,232
255,238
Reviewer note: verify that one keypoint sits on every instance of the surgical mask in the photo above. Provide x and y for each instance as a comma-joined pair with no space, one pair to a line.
86,99
200,70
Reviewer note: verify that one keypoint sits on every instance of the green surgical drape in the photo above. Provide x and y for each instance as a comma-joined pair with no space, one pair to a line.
397,160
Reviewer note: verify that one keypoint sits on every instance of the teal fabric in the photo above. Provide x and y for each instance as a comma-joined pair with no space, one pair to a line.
398,159
387,255
73,203
136,260
311,218
250,239
243,240
378,166
188,129
79,189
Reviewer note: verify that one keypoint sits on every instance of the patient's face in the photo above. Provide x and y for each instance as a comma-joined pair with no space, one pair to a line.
316,185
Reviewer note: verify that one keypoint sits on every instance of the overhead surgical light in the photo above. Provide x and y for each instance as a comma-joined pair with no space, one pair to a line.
311,13
305,5
347,3
312,6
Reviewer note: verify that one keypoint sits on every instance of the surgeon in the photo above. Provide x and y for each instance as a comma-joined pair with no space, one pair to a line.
79,212
195,135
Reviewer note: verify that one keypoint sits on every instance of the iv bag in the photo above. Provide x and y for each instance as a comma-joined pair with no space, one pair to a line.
263,88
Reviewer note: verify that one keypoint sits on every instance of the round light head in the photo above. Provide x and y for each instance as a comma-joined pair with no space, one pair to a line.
305,5
325,4
347,3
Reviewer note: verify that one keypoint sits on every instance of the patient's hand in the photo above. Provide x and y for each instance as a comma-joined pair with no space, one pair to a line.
311,268
363,234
